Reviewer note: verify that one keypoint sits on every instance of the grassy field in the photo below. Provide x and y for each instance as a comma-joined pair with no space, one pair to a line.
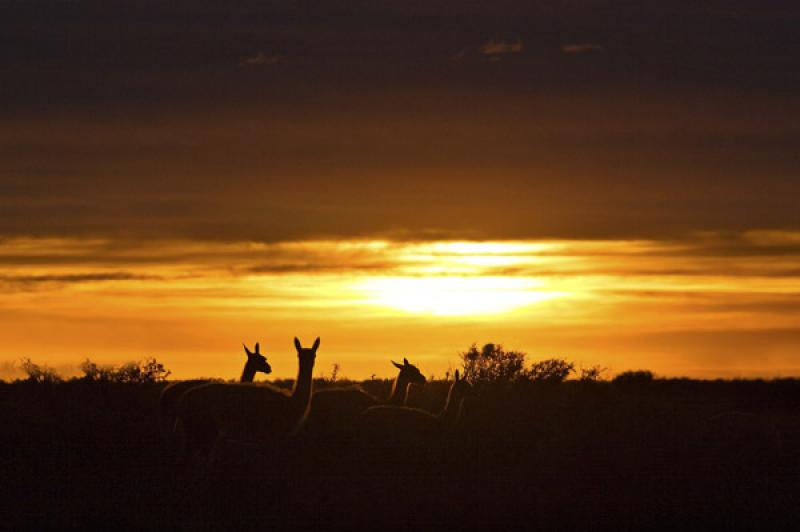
661,453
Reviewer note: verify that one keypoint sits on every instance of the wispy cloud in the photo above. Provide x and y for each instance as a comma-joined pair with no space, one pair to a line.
582,48
77,278
33,282
321,267
495,48
259,59
491,50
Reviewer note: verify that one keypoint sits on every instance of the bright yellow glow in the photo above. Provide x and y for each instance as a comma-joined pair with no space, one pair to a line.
454,296
488,248
676,307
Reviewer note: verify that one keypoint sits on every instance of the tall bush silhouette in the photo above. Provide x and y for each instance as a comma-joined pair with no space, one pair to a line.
550,370
40,374
147,371
492,364
592,374
633,378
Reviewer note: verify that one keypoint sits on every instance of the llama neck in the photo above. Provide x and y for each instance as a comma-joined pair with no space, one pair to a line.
399,393
248,374
301,391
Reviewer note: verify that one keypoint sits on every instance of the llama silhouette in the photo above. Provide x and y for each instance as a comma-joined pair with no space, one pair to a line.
334,414
392,423
347,403
245,412
396,438
168,399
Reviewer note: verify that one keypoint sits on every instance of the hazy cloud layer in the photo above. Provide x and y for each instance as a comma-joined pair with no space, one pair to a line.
494,48
748,254
428,167
371,129
34,282
259,59
582,48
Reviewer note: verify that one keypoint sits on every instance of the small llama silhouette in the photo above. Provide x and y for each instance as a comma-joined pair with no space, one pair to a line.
256,362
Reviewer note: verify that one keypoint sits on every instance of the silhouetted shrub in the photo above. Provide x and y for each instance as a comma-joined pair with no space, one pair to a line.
39,374
94,373
492,364
550,370
637,377
333,377
147,371
592,374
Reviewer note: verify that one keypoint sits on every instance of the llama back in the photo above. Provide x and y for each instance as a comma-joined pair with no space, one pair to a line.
168,400
340,404
395,439
334,413
396,424
239,411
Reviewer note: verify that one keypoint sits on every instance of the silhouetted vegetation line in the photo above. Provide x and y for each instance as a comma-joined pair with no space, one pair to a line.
530,452
147,371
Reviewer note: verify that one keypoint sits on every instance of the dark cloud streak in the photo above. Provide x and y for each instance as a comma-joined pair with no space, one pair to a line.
27,283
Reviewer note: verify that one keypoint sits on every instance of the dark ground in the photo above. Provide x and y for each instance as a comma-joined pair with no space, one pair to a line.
572,455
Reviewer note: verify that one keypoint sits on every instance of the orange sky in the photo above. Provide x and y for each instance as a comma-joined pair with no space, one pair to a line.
714,305
611,182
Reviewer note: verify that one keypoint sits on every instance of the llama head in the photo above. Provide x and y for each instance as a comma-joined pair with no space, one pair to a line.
305,354
410,372
256,360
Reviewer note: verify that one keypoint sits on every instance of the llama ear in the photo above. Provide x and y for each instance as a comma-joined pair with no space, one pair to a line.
246,350
297,344
405,361
316,345
457,376
398,366
258,349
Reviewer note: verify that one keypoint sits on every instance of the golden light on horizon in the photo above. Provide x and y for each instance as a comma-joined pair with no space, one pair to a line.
455,296
664,305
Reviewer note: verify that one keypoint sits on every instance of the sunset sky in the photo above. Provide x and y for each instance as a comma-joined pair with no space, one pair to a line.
611,182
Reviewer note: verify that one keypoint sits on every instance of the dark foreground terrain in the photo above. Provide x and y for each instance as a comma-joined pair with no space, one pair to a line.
660,454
